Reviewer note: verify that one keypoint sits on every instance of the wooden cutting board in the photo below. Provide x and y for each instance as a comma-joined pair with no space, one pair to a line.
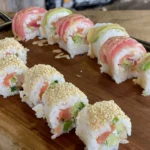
21,130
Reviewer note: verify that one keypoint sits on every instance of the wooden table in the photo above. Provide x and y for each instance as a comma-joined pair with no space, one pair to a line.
21,130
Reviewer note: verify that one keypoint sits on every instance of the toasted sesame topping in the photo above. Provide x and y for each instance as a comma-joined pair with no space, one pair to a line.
61,92
34,74
102,112
10,43
11,60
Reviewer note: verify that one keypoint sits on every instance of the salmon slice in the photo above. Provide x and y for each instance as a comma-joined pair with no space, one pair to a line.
65,114
8,78
103,137
43,89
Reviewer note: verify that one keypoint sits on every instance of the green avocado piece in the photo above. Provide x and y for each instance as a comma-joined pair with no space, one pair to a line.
119,127
95,33
76,108
145,64
67,125
13,80
77,39
112,140
52,12
127,63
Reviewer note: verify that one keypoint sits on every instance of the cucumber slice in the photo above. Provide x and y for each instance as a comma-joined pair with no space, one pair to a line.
76,108
67,125
112,140
115,120
53,83
119,127
14,88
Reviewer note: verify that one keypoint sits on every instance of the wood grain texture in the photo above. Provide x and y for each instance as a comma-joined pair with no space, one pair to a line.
21,130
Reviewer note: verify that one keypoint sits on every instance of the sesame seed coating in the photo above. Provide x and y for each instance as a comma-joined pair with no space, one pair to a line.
103,112
34,74
10,43
61,92
11,60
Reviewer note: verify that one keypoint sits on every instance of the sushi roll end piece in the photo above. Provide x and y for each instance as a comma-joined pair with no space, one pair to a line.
102,126
11,75
61,104
10,46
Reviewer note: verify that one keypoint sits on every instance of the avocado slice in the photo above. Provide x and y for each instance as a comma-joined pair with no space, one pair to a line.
127,63
95,33
76,108
145,64
67,125
52,12
112,140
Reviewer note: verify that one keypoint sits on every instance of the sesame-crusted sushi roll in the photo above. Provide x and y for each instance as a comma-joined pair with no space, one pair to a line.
48,23
61,104
143,78
10,46
36,80
102,126
119,57
99,34
11,75
72,31
25,24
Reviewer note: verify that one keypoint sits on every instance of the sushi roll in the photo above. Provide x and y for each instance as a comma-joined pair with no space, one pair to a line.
143,78
11,75
72,31
99,34
119,57
36,81
48,23
10,46
25,24
102,126
61,104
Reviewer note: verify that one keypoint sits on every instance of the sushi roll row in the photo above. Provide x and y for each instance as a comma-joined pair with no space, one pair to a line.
117,53
47,93
57,25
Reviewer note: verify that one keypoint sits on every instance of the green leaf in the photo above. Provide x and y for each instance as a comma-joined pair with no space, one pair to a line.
14,88
76,108
67,125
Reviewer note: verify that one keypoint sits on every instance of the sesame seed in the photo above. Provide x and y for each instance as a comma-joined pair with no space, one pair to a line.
11,60
61,92
8,43
103,112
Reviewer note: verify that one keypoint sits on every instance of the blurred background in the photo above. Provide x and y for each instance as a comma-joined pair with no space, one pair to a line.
104,5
